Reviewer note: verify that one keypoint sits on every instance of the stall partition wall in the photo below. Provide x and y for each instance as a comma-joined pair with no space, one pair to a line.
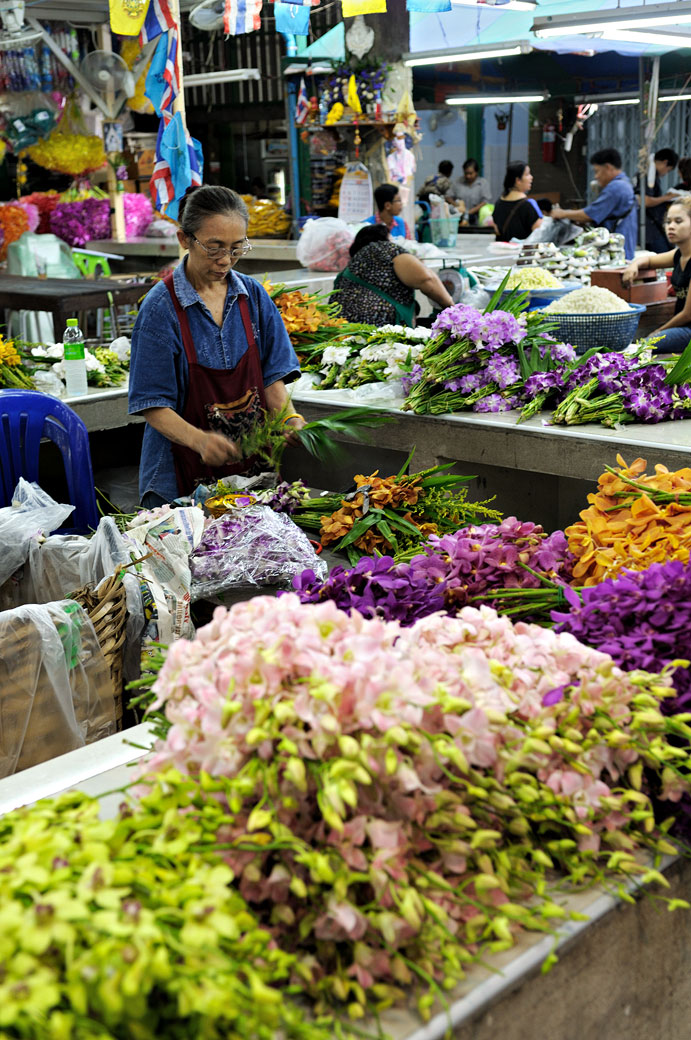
503,146
618,126
443,137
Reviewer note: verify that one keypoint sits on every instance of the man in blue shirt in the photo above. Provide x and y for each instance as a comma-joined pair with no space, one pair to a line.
615,208
389,205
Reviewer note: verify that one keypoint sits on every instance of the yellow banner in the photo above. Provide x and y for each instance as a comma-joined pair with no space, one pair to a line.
127,16
353,7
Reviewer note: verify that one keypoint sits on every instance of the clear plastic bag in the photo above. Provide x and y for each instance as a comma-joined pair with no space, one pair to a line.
324,244
56,687
63,563
250,547
33,514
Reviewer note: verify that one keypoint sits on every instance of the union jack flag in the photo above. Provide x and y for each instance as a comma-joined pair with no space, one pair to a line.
241,16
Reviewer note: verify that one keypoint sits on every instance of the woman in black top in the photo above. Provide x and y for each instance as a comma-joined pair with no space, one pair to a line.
515,215
378,285
675,333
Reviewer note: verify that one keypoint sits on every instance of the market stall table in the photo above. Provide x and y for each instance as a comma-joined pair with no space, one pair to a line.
621,973
64,297
534,469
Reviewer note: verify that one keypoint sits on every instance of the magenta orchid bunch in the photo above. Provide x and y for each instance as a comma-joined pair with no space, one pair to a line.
393,796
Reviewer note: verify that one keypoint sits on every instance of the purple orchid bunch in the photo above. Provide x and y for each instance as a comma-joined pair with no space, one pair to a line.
513,566
616,388
479,360
284,497
642,619
375,587
80,222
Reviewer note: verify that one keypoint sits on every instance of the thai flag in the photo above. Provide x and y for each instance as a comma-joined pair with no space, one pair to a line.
241,16
302,105
170,74
158,20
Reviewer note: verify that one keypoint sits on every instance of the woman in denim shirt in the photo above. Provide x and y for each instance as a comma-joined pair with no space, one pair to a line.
209,353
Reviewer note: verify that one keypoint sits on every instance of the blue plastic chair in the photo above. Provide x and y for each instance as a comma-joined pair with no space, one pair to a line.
25,417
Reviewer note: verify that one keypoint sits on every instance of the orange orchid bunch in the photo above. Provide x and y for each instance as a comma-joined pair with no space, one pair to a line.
310,319
377,495
634,520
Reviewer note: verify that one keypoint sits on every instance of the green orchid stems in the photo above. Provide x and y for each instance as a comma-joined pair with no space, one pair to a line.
655,495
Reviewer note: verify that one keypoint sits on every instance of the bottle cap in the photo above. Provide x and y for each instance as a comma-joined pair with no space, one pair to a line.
71,322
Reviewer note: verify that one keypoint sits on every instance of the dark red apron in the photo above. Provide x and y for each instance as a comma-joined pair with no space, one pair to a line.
227,401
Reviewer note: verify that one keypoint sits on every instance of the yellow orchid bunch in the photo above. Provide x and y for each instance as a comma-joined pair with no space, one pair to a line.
13,374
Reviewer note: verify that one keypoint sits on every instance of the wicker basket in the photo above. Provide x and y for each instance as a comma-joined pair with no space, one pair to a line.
107,610
585,331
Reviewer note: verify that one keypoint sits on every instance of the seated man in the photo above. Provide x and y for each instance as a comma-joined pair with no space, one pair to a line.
389,205
439,183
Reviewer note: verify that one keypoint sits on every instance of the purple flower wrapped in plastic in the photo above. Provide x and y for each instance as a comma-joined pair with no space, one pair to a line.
139,213
79,222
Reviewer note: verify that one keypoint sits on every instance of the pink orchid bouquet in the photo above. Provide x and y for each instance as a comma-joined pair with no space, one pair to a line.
395,799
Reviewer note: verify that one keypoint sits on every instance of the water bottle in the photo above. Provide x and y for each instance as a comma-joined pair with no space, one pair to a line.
75,364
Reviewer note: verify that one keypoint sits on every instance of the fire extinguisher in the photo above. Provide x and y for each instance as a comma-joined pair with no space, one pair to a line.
549,142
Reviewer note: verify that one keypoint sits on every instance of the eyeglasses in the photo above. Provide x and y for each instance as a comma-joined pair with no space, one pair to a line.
218,252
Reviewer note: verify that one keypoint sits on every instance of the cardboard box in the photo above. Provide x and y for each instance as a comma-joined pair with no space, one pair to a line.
145,162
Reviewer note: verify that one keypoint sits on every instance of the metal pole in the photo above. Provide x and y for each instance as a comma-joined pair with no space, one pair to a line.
642,154
294,164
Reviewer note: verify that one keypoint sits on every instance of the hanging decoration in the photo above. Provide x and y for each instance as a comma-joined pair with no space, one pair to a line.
302,105
428,6
241,16
293,19
127,16
351,8
179,160
139,102
66,152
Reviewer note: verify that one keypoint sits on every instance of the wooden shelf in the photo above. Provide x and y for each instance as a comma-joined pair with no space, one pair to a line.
366,123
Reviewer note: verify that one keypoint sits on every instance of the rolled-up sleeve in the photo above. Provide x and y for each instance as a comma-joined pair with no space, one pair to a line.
156,376
278,358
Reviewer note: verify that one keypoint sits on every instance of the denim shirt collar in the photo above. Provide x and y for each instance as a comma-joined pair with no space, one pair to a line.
187,295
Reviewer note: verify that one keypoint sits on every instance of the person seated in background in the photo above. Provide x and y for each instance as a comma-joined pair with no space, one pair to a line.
676,332
378,285
684,166
439,183
656,203
473,190
515,215
615,207
387,199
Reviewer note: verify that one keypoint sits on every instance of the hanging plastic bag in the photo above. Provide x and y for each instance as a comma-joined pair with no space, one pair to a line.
324,244
32,515
250,547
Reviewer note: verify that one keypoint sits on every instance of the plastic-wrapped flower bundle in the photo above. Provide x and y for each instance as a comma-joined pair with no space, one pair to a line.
32,213
250,546
393,802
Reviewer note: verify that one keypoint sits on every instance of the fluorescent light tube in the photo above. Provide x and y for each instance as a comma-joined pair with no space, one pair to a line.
676,40
675,13
469,55
495,99
623,101
512,5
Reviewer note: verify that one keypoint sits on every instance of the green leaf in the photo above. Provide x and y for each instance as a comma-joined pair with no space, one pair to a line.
357,530
681,373
400,523
406,464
